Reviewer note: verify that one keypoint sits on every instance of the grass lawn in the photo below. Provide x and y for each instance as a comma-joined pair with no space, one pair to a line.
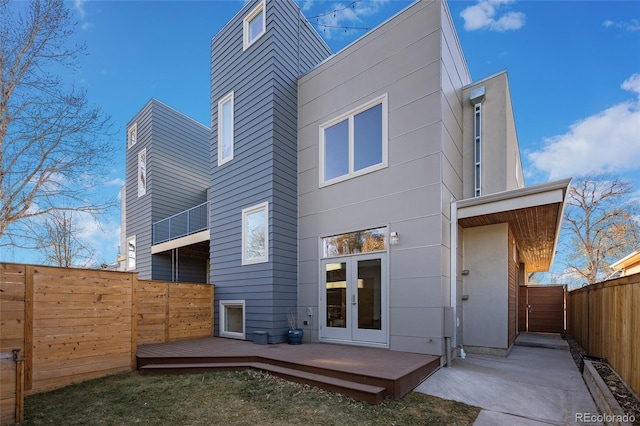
229,398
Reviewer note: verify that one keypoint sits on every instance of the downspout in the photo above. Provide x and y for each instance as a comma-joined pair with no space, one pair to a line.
453,245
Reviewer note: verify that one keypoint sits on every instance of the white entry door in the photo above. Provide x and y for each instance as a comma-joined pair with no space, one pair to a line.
353,299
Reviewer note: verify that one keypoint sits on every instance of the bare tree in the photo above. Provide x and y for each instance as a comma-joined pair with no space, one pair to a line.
59,244
54,146
602,225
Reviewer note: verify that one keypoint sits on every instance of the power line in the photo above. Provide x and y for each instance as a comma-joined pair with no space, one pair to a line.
334,11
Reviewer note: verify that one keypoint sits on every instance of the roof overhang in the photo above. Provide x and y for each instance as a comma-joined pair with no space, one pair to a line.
534,215
626,261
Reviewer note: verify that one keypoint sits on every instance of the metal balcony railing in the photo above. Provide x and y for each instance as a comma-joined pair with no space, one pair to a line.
179,225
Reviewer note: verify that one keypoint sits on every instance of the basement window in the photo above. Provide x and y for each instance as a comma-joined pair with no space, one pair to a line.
232,319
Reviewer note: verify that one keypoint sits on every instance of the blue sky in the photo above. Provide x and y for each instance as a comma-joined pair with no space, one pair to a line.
574,72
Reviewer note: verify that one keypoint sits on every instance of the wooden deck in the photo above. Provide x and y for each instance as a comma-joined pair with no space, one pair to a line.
365,374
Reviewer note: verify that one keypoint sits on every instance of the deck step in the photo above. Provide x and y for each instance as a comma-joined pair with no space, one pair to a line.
359,391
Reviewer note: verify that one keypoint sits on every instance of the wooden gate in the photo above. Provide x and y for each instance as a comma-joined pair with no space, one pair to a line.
542,308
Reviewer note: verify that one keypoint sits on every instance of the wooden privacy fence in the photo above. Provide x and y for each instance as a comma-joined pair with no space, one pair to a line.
72,325
605,319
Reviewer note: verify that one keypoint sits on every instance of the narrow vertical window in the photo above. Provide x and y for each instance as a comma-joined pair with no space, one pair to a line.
255,234
131,253
225,129
132,135
254,26
477,117
142,172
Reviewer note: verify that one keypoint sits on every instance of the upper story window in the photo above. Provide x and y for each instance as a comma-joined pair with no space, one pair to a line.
254,25
255,234
225,129
355,143
132,135
142,172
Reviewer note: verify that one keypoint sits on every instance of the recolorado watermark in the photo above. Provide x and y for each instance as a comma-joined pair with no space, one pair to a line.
604,418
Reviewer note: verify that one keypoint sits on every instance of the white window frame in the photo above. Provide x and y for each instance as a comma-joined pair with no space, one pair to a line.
260,8
245,212
131,242
143,177
223,333
132,135
381,100
227,98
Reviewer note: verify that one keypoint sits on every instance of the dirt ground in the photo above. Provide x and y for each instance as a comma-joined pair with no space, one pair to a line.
628,401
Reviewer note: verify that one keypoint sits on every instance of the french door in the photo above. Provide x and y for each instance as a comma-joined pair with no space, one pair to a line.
353,299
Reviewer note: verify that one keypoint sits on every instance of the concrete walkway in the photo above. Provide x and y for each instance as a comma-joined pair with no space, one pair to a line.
537,384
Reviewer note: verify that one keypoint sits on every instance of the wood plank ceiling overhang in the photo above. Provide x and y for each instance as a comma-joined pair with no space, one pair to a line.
534,215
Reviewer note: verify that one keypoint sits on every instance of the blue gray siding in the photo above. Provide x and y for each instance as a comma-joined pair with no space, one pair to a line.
177,179
264,168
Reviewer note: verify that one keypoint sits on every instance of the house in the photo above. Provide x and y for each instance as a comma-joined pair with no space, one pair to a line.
378,192
628,265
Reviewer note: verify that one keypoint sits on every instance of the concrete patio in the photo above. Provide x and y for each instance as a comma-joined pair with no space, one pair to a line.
537,384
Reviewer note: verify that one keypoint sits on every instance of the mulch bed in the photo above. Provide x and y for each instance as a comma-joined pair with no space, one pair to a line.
626,398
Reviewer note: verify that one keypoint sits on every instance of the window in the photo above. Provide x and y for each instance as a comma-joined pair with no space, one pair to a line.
255,234
142,172
232,319
254,25
354,144
132,135
355,242
225,129
131,253
477,124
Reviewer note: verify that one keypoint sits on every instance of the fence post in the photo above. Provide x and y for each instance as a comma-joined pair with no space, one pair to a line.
28,324
134,319
19,385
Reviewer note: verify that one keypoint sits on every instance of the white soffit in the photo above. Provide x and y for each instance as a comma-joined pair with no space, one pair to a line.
181,242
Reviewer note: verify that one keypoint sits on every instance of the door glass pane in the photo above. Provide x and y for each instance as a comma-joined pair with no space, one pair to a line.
370,294
336,150
336,296
367,139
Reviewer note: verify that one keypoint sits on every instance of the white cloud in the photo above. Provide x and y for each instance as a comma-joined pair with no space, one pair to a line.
606,142
484,16
79,7
631,25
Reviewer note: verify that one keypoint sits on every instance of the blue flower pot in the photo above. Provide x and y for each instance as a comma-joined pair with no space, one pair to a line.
294,337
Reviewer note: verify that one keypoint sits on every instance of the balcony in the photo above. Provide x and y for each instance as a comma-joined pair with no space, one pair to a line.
186,223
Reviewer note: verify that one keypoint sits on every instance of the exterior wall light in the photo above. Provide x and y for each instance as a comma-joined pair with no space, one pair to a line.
394,238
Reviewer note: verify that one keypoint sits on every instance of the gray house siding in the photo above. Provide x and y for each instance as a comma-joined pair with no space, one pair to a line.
403,59
177,179
263,169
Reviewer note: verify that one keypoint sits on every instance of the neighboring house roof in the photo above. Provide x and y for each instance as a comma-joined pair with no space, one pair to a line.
534,215
628,261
